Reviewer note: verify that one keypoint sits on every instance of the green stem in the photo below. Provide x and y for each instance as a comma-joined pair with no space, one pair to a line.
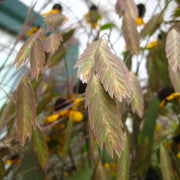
67,77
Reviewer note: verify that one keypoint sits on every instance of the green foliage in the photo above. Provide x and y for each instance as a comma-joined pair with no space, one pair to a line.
68,137
106,26
150,120
131,34
85,173
48,95
30,167
166,167
25,50
112,72
108,122
152,25
68,35
57,56
120,120
143,158
86,61
25,110
37,58
2,169
40,147
53,42
137,101
123,168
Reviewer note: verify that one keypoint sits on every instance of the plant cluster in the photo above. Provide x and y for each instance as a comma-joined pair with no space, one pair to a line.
79,129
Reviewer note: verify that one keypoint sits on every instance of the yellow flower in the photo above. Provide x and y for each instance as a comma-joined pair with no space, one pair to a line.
52,118
76,103
178,155
15,158
139,21
175,95
93,16
9,161
53,11
162,103
55,117
158,127
32,30
64,112
152,44
77,116
106,165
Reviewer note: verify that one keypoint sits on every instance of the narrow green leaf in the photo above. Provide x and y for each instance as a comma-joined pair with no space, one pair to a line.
25,110
104,117
153,78
112,72
150,120
165,164
2,169
40,147
86,61
137,100
127,56
107,26
157,67
152,25
162,69
53,42
37,58
143,156
68,137
48,95
124,161
172,50
57,56
30,166
131,34
176,12
66,36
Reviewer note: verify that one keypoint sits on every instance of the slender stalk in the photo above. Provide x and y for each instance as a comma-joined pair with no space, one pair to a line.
67,77
72,160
